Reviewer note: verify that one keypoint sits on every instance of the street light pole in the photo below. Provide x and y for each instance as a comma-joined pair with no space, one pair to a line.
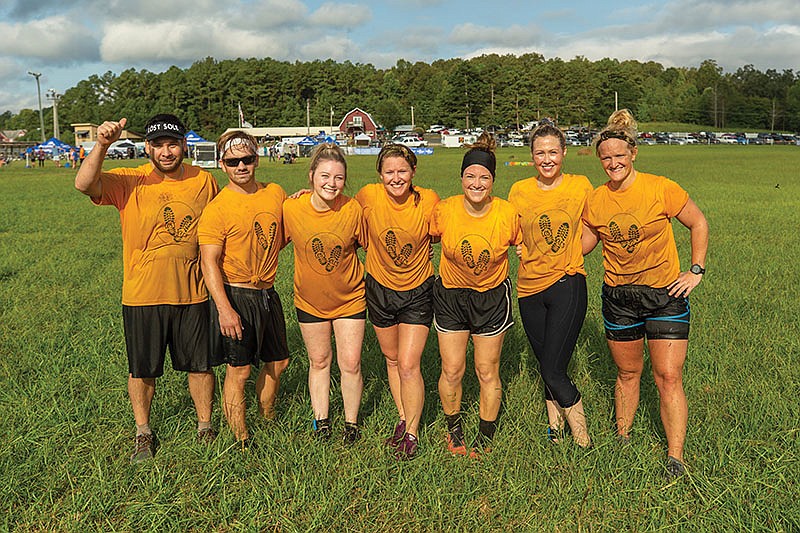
55,97
39,92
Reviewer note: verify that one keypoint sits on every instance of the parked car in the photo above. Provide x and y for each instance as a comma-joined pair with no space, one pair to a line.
412,141
435,128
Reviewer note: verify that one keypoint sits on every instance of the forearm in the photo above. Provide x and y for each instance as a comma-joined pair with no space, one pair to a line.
88,178
699,240
212,275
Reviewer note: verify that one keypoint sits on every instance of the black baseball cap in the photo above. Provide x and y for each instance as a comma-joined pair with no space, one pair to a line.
164,125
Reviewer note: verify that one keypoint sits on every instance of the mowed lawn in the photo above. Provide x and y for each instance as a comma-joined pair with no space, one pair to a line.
66,426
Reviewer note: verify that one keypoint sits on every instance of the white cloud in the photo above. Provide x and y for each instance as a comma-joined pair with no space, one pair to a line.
180,42
340,15
512,36
52,39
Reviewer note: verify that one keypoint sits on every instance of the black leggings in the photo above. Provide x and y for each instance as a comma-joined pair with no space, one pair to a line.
552,320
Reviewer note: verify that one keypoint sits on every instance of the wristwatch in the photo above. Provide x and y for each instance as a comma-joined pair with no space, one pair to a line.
697,269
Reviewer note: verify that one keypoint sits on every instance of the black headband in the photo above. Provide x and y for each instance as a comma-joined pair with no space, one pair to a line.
611,134
476,156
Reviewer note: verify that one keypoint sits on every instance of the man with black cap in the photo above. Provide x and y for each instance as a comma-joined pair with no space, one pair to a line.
164,299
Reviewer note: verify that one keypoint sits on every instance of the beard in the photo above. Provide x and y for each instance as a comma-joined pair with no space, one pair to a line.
171,167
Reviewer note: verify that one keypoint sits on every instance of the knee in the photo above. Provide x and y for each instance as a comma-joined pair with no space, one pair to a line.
319,361
237,374
487,374
669,381
628,375
452,374
350,365
276,368
408,370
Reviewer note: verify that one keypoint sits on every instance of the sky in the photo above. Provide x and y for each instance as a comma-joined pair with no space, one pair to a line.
69,40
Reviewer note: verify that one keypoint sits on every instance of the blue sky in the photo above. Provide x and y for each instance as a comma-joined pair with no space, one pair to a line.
69,40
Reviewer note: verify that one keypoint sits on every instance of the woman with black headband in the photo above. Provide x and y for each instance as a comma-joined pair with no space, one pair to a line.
472,296
645,294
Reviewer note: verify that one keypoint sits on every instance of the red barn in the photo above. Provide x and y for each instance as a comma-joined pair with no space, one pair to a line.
358,121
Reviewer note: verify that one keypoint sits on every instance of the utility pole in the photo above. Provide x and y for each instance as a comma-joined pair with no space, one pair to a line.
308,116
616,101
55,97
37,75
412,118
493,123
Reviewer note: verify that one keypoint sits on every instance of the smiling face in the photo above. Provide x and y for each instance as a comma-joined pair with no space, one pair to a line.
327,180
166,153
548,155
242,168
396,176
477,182
617,157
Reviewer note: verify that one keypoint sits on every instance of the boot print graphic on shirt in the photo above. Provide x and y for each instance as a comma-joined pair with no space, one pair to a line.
483,259
169,222
329,262
391,249
265,242
557,242
628,244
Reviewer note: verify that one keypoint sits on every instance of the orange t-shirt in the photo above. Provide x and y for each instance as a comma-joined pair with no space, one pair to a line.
328,277
551,231
398,256
249,227
159,232
634,225
475,249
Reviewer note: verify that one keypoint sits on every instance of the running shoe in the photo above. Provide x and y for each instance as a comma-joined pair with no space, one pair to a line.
455,442
397,436
406,448
322,429
206,436
350,434
144,448
481,445
675,469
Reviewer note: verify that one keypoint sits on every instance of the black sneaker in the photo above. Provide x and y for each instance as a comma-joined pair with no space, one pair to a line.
675,469
322,429
206,436
144,448
350,434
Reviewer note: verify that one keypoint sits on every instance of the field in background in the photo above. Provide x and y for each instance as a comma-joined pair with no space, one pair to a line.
67,427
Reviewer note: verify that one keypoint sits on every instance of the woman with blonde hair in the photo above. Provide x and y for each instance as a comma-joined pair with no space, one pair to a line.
551,280
645,293
399,283
326,228
472,296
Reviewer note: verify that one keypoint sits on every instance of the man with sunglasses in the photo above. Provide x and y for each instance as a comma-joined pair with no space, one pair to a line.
164,300
240,235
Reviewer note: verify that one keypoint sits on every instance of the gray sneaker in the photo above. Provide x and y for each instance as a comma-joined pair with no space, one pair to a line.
675,469
144,448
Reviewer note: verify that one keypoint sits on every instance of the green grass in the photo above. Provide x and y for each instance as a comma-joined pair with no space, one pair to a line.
67,426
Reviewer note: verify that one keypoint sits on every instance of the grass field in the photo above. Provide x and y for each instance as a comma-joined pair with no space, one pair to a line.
66,428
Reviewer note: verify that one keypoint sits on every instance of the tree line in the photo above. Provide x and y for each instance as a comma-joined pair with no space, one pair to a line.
490,90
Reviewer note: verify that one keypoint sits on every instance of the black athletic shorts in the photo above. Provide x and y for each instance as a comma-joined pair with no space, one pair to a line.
150,329
632,311
263,333
388,307
485,314
308,318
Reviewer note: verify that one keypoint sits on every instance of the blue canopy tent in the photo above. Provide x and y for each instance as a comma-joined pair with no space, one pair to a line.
193,138
49,145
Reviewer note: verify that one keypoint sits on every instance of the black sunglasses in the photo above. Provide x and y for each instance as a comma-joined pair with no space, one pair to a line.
234,161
